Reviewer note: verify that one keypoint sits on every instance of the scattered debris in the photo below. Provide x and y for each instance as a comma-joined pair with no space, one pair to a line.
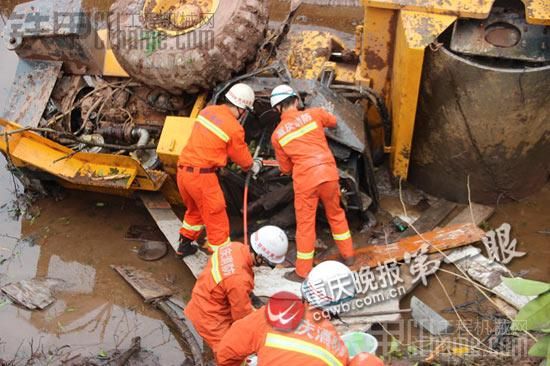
489,273
429,319
32,294
431,217
161,297
143,283
152,250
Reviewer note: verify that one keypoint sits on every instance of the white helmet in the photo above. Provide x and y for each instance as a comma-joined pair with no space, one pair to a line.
271,243
242,96
329,283
281,93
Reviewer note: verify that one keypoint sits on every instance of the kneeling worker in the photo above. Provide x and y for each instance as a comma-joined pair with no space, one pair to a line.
222,292
216,136
312,340
302,150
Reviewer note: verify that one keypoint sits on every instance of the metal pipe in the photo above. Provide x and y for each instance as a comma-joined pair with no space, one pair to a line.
142,135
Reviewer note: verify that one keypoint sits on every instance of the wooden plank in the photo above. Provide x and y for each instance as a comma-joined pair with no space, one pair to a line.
33,294
430,218
170,224
143,283
440,239
481,213
488,273
480,268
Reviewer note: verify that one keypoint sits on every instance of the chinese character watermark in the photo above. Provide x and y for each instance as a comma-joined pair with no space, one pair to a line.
499,246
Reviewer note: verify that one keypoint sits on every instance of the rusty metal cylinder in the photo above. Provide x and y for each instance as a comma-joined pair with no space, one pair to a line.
486,119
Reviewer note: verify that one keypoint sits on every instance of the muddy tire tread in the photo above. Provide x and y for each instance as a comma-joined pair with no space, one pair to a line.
233,48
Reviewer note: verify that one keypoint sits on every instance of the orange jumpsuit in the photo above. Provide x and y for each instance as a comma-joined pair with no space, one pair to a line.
302,149
312,343
216,136
222,292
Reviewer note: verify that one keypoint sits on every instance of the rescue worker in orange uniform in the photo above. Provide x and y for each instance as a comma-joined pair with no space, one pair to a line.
313,342
216,136
222,292
302,150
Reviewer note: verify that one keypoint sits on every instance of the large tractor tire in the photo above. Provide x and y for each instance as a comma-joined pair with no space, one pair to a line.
193,61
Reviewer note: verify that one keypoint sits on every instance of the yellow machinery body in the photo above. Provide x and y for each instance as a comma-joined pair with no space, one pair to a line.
395,36
390,44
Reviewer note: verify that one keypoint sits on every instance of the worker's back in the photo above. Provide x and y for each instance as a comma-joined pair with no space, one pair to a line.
302,148
216,134
312,343
221,293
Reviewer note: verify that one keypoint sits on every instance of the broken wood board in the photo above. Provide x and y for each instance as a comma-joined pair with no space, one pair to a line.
429,319
143,282
430,218
269,281
489,273
170,225
32,294
480,268
479,212
362,319
440,239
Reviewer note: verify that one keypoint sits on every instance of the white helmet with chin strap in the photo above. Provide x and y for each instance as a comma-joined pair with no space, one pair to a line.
282,93
271,243
317,289
241,96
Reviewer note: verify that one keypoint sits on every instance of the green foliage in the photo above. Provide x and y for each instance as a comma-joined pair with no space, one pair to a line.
535,315
395,348
541,347
526,287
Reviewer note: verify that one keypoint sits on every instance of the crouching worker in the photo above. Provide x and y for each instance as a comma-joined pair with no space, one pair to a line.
288,332
222,292
302,150
217,135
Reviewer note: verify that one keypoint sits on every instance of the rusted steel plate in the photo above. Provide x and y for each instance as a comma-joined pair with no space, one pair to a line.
350,130
143,283
31,89
440,239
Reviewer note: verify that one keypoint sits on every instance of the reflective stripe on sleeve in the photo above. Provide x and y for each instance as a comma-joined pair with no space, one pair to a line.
298,133
300,346
210,126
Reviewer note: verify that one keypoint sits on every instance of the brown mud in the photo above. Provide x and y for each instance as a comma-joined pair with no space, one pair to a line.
78,238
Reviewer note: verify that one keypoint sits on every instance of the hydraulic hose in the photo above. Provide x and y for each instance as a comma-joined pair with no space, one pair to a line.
246,184
378,103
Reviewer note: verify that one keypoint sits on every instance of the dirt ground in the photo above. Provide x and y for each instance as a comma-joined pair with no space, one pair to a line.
78,238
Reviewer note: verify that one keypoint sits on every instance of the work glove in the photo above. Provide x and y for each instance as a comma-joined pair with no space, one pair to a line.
257,166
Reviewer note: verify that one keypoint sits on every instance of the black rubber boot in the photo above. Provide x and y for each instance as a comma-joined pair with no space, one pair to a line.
185,247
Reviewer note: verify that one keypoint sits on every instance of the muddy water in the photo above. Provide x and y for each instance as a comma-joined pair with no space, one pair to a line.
76,240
